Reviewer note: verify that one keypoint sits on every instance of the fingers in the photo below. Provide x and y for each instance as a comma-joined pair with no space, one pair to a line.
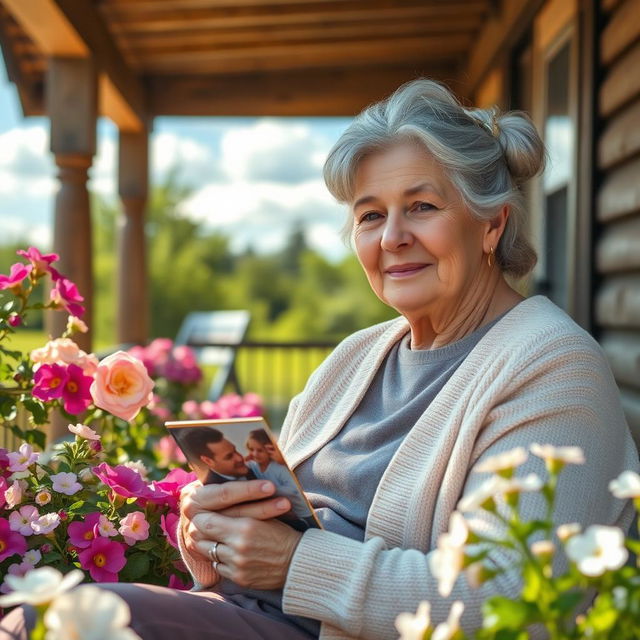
216,497
261,510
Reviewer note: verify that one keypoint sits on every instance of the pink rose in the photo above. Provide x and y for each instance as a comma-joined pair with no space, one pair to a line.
122,385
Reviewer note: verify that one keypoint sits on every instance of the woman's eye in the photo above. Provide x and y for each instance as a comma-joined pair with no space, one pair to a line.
423,206
370,216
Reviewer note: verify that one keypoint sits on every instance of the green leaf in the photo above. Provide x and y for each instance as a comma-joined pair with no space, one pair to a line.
532,583
37,437
75,506
51,557
39,412
137,566
499,612
566,602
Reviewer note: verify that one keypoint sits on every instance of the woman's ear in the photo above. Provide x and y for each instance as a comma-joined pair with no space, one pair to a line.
495,229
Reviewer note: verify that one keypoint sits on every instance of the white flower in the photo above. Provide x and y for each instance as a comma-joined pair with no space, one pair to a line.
89,613
66,483
39,586
479,498
43,497
447,560
556,457
599,548
529,483
32,557
506,461
46,523
568,530
446,630
75,325
626,485
83,431
23,458
138,467
412,627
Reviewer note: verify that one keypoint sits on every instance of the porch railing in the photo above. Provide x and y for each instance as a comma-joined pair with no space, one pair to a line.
276,371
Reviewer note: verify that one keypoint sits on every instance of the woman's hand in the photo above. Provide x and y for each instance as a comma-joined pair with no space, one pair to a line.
254,550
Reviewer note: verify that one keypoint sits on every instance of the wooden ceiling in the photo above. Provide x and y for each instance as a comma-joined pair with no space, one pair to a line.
250,57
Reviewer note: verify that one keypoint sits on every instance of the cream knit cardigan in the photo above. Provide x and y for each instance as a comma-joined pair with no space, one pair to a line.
534,377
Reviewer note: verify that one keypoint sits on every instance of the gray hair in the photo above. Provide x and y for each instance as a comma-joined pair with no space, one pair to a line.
487,156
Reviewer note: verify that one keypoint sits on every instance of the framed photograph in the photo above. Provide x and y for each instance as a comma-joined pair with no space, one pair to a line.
242,449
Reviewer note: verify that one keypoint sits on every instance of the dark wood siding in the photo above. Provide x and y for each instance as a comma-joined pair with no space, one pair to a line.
617,257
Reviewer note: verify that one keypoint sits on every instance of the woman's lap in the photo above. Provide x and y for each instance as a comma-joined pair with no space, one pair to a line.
165,614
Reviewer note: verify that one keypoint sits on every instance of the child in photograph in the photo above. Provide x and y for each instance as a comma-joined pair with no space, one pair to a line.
261,461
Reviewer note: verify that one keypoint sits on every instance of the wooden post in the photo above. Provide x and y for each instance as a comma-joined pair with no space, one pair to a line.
72,107
133,178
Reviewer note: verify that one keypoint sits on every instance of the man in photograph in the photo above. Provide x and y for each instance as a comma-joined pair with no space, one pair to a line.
224,461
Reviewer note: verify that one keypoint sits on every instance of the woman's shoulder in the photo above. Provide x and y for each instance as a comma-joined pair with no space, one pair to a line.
387,331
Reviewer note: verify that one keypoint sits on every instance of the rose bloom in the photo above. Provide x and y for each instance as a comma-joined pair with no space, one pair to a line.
122,385
82,431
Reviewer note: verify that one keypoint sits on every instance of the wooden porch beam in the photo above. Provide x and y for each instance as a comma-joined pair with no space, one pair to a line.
500,32
70,29
337,92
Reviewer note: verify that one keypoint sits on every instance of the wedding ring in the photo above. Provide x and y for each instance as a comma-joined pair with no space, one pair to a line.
213,553
215,564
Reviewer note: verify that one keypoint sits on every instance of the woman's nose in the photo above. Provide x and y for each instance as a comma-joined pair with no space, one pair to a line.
395,235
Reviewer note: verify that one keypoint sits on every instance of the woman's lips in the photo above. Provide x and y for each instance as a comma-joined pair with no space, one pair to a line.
405,270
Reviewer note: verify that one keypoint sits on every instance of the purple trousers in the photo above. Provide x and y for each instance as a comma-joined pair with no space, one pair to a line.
159,613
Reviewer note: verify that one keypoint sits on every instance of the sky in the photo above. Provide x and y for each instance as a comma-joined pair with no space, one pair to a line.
252,178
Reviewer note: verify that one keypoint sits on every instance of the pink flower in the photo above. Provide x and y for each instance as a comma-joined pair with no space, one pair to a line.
13,495
39,261
49,381
173,483
123,481
76,392
168,451
134,527
3,488
103,559
16,275
46,523
210,410
65,482
106,528
21,520
65,295
14,320
191,409
82,431
122,385
169,524
82,533
22,459
10,541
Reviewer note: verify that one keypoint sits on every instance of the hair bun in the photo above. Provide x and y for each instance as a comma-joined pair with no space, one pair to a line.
522,146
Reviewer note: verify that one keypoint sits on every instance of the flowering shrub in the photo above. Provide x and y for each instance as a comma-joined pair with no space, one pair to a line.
79,511
596,558
104,501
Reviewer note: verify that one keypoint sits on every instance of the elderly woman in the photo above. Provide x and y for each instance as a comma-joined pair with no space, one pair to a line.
389,430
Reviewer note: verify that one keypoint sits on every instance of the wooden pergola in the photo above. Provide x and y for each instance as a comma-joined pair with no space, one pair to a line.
133,60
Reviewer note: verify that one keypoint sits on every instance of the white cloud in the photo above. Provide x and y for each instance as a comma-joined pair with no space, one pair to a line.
103,174
270,150
194,161
26,166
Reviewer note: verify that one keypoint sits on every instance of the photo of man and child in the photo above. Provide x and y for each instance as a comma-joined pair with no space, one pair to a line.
220,451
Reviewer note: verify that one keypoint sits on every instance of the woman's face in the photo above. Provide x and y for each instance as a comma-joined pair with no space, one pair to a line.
258,452
417,242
